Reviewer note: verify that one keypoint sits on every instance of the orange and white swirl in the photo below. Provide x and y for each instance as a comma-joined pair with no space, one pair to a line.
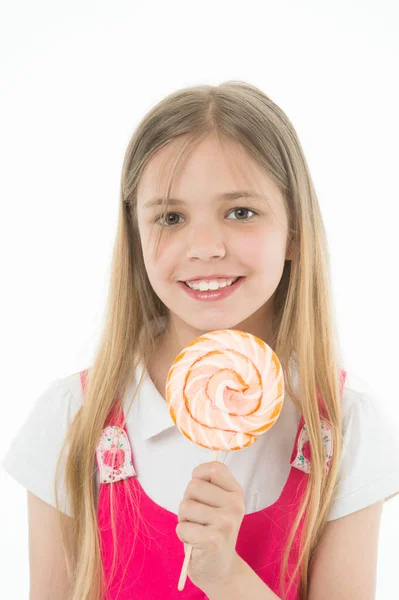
225,389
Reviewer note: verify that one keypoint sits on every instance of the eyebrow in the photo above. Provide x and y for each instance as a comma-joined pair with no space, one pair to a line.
223,197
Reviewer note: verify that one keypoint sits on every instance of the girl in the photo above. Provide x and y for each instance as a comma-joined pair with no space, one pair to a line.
219,228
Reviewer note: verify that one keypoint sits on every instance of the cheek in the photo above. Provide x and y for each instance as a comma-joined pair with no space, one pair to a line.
264,250
161,257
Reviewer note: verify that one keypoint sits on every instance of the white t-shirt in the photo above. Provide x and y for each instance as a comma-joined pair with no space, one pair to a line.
164,458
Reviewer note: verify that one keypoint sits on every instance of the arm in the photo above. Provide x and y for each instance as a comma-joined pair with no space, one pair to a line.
48,572
344,565
345,561
245,584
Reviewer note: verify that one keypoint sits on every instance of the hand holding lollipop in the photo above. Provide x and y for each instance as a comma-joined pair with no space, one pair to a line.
224,390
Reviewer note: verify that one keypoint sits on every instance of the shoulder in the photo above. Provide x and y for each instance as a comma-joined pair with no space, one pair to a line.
33,454
71,386
369,468
59,401
357,394
364,413
49,415
56,404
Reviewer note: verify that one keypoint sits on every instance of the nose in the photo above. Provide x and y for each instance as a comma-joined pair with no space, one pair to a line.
204,241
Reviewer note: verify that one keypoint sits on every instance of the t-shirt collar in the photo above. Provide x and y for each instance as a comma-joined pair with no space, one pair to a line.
153,410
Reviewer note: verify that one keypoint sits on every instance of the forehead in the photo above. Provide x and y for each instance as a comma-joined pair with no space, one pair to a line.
211,168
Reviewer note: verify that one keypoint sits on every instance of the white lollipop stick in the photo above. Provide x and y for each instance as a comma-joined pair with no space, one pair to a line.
188,549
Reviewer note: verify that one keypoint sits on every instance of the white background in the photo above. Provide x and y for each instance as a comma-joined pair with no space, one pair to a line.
77,77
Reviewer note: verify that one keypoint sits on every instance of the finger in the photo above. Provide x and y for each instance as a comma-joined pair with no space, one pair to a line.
195,512
197,535
207,493
218,474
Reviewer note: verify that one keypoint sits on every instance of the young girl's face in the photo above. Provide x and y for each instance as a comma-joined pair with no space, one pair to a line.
207,237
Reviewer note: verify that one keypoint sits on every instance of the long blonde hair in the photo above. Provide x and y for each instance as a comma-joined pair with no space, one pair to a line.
303,316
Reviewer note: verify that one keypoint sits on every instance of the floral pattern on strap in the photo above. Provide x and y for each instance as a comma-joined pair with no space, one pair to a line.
114,455
303,458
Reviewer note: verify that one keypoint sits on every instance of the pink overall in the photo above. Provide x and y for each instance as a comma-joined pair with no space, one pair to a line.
151,570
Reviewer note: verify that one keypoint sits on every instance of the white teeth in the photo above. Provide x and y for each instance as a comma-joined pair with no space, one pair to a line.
214,284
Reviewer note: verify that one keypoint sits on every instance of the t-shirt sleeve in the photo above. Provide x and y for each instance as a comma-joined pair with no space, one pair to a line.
369,470
32,457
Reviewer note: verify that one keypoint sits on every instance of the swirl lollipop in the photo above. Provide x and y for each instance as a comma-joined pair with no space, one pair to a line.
224,390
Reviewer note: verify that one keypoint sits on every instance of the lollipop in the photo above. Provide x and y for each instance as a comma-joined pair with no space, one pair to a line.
224,390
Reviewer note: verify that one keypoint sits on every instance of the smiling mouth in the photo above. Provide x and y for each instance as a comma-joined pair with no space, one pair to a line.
230,280
210,294
220,284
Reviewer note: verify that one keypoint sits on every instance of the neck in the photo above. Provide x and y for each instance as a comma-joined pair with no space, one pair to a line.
179,335
175,338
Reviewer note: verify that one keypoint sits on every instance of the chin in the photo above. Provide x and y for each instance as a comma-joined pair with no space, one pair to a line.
213,324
